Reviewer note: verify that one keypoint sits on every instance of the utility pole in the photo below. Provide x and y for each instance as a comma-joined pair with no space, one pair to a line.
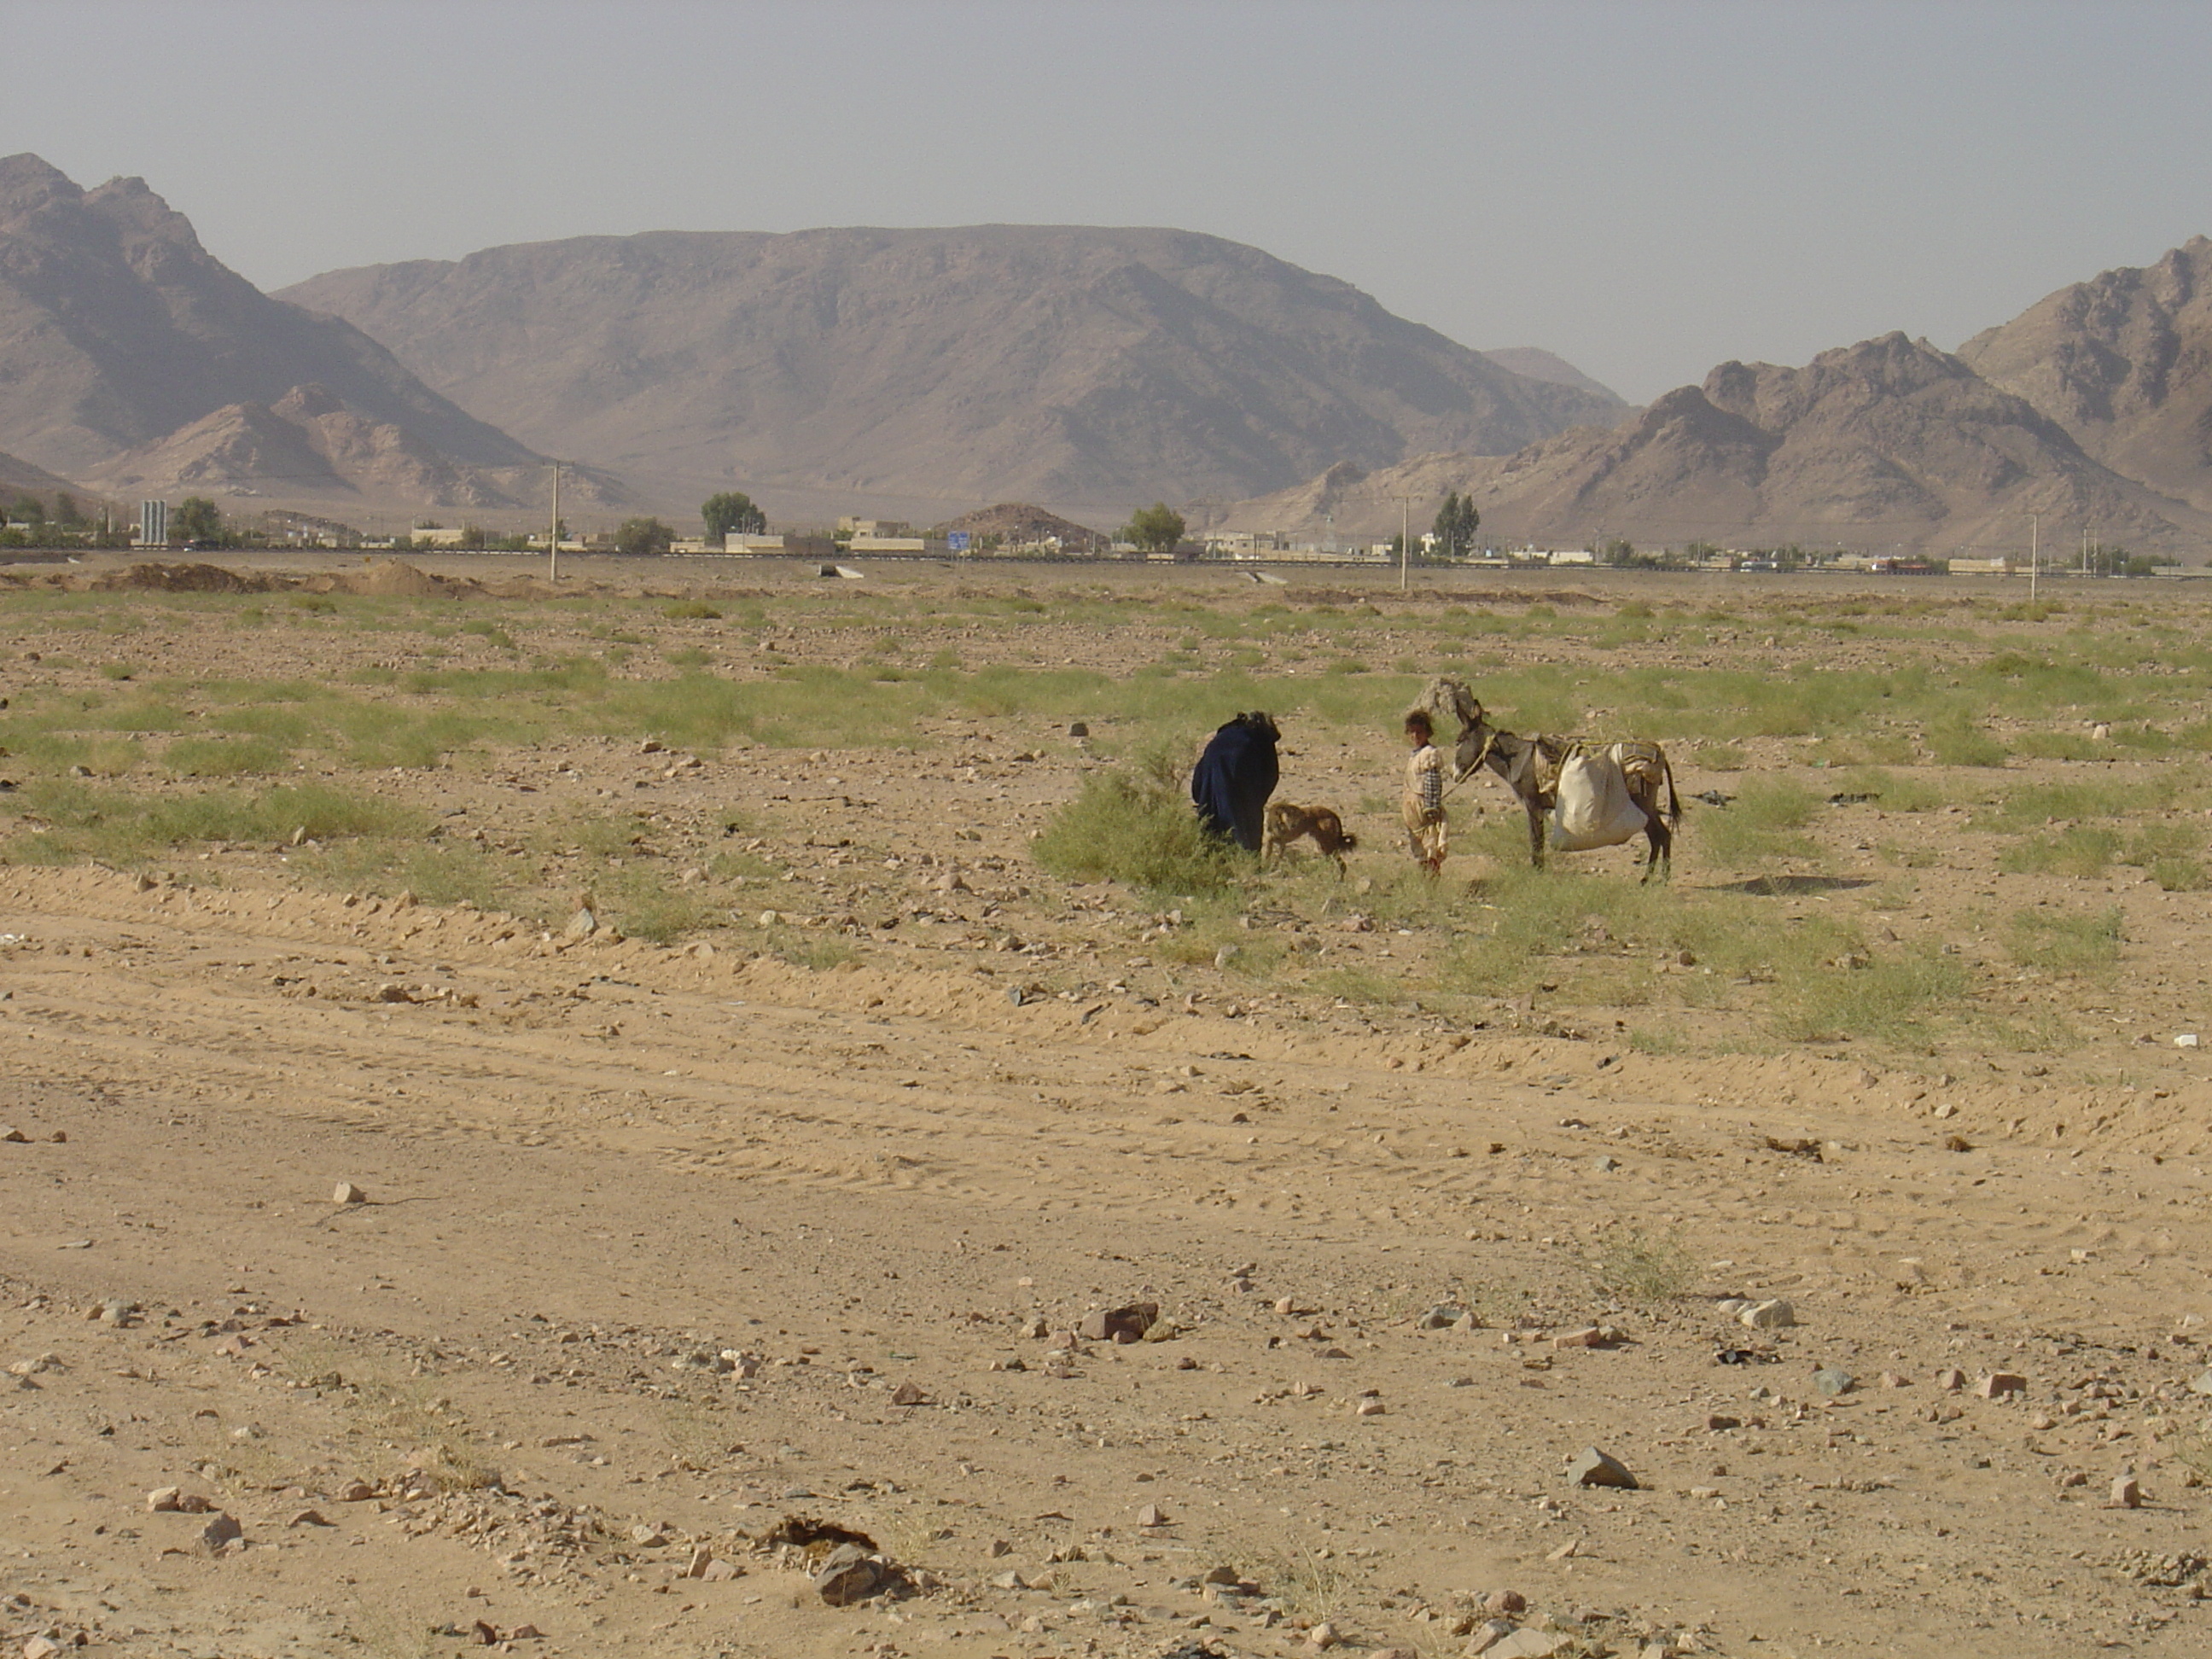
2035,551
553,540
1405,538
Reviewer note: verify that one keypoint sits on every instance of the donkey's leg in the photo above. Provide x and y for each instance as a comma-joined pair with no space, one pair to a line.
1661,858
1535,834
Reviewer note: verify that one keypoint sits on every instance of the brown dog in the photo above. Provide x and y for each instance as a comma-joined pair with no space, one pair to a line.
1285,823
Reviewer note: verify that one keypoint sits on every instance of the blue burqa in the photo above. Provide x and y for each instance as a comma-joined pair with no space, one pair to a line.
1234,778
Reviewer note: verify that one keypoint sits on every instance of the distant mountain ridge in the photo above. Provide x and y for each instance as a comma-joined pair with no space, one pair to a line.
1084,369
1890,443
2123,363
120,332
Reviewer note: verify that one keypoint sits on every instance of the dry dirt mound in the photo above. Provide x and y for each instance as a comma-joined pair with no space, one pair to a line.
157,578
393,578
1024,525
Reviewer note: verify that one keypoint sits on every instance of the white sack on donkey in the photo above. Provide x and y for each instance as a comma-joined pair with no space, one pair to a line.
1591,805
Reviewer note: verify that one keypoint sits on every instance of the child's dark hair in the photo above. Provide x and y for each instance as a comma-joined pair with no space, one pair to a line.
1419,721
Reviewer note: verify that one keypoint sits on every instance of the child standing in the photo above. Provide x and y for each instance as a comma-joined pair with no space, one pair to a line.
1428,831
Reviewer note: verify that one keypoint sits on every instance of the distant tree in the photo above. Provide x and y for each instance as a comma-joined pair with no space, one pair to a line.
197,520
67,513
1156,528
27,510
475,537
733,512
1620,551
1456,523
643,538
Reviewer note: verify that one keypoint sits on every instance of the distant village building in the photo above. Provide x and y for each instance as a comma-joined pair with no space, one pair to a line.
740,541
892,528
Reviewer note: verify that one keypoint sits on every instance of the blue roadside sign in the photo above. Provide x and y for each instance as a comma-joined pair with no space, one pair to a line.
956,540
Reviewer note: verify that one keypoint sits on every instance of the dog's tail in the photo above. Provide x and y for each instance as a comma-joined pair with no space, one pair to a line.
1349,841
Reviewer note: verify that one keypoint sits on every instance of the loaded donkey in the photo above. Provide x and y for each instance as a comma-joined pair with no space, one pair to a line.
1578,795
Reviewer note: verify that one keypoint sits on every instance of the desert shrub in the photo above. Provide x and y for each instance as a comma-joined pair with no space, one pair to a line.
1635,1267
2054,745
1766,820
1137,827
1958,740
215,757
691,611
1895,1001
2066,942
2081,850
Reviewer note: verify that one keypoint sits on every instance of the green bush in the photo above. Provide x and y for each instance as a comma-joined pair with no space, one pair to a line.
1137,827
2067,944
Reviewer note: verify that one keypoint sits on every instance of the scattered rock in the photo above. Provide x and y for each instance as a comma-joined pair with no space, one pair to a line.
849,1574
1596,1468
222,1530
1151,1515
356,1492
720,1573
347,1193
1484,1637
14,1135
582,925
1124,1325
1505,1601
164,1500
908,1394
1720,1423
1772,1314
1997,1384
309,1518
1834,1379
702,1559
1529,1644
1951,1381
41,1646
1323,1634
2126,1494
646,1535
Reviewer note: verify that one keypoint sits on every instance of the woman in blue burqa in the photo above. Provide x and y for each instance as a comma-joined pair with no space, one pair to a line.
1234,778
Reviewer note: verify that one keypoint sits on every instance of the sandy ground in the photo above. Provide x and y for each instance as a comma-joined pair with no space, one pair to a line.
664,1245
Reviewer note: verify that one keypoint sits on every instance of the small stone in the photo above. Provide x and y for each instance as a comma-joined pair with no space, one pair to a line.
720,1572
1505,1601
1151,1515
222,1530
356,1492
1529,1644
347,1193
2126,1494
1323,1634
1008,1581
41,1646
647,1535
850,1575
1895,1380
2201,1383
1485,1636
1721,1423
1605,1164
59,1137
1368,1408
525,1633
1997,1384
1951,1381
1834,1379
308,1518
14,1135
1588,1337
1596,1468
582,925
1124,1325
908,1394
1393,1653
1771,1315
702,1559
164,1500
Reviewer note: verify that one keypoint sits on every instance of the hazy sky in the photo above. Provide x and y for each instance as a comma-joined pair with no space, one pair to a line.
1646,189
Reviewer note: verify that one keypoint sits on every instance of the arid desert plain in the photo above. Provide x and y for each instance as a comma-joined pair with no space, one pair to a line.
751,1080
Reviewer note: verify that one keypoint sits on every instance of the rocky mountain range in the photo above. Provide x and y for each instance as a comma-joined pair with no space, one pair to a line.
2123,363
131,359
2092,410
915,372
1890,443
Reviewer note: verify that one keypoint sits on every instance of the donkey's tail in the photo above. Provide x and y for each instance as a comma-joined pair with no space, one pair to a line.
1673,800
